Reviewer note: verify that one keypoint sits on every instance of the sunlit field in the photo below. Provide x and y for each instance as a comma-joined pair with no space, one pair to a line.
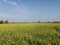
30,34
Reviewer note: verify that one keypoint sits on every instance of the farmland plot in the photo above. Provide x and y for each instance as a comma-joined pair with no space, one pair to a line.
30,34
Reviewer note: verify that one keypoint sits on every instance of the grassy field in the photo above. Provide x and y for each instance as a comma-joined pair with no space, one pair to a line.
30,34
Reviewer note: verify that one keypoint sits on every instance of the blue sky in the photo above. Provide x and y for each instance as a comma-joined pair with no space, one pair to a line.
30,10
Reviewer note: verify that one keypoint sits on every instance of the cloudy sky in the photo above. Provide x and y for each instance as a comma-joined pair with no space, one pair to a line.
30,10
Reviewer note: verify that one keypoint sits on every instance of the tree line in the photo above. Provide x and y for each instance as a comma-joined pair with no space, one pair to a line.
6,22
2,22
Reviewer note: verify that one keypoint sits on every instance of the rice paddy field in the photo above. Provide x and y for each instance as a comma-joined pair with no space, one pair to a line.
30,34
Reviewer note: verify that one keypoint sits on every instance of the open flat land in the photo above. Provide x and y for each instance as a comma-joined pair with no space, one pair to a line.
30,34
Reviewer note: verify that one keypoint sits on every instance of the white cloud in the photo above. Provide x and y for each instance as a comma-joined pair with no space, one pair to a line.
5,0
14,3
5,16
20,8
15,18
16,13
10,2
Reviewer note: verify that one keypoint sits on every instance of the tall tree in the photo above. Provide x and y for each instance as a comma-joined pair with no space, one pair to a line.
1,22
6,21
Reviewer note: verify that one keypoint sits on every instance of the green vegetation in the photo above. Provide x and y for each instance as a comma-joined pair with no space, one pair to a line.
30,34
6,21
2,22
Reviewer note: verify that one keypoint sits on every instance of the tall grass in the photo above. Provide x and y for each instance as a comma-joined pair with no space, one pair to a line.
30,34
